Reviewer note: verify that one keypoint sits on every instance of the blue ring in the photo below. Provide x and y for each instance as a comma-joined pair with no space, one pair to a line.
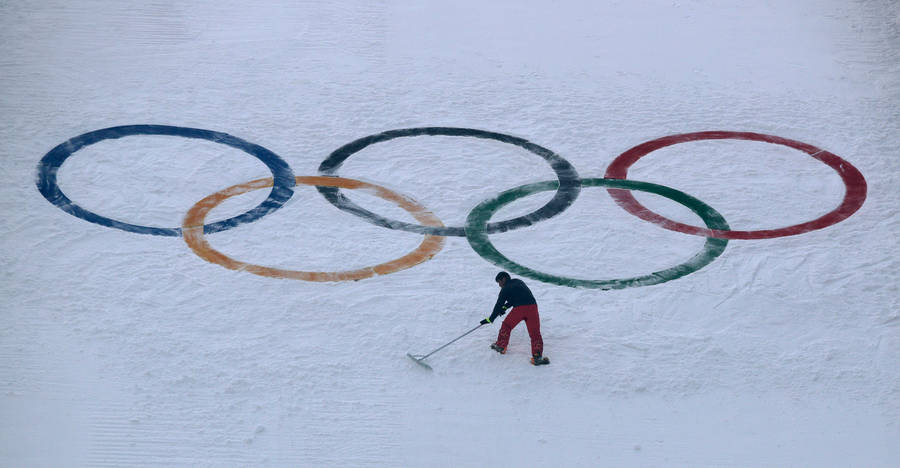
282,175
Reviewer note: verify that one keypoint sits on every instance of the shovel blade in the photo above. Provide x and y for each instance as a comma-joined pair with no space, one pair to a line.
418,361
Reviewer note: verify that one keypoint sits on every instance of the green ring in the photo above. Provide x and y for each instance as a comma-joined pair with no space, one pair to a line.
481,215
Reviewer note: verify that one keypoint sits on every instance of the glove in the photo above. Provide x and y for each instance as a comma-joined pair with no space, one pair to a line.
486,321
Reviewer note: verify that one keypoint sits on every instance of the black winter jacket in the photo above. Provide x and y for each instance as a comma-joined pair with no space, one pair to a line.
513,294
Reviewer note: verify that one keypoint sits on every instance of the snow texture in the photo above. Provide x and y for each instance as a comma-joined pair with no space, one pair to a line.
120,349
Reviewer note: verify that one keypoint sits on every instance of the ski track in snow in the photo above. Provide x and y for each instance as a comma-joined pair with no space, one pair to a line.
119,349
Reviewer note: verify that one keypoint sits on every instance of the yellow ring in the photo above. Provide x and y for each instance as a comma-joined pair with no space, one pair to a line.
192,232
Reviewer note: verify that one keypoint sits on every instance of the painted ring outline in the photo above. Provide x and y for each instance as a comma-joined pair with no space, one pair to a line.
567,176
193,234
854,183
49,165
478,238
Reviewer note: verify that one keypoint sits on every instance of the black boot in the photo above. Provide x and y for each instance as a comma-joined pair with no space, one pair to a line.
538,360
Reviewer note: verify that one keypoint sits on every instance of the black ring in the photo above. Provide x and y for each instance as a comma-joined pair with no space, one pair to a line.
569,182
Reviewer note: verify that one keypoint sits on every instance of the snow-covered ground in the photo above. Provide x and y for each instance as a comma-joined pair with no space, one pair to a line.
125,349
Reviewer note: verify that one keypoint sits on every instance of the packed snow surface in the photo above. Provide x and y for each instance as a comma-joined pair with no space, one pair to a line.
125,349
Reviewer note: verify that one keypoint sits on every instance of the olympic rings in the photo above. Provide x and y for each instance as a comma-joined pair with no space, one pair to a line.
477,229
481,214
569,185
51,162
193,232
854,182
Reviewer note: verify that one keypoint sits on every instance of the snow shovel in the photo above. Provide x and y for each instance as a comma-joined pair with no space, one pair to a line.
418,358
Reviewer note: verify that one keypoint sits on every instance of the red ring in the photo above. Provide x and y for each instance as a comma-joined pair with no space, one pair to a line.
854,196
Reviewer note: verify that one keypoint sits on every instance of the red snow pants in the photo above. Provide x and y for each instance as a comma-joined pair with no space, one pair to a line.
528,313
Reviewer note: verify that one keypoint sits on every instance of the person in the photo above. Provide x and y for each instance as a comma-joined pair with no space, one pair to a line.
514,294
